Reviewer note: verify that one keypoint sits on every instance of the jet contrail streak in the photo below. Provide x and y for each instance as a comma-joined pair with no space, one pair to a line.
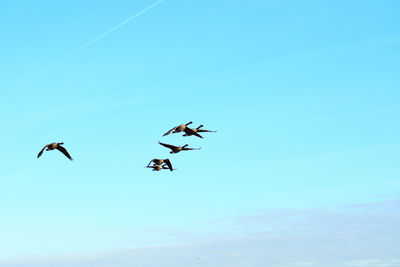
101,36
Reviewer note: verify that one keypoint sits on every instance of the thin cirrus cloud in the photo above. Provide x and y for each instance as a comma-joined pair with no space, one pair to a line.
104,34
356,235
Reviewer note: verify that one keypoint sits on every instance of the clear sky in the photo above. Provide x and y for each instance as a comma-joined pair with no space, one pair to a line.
304,96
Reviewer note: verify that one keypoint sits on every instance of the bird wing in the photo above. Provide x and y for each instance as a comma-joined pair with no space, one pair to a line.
188,148
190,131
41,151
170,131
169,164
64,151
150,162
167,145
166,168
203,131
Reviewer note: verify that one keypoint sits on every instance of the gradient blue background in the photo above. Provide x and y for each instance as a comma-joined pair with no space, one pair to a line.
304,95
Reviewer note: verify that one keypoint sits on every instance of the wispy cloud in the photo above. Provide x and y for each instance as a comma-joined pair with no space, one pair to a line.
104,34
356,235
374,262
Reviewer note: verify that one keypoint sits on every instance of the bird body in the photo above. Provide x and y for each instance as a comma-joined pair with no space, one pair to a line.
156,167
179,128
156,161
52,146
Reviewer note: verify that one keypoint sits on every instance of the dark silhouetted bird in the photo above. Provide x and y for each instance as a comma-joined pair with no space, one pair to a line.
177,149
198,130
57,146
161,161
157,167
184,128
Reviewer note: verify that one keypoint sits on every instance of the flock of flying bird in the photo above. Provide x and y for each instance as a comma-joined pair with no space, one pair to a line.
158,164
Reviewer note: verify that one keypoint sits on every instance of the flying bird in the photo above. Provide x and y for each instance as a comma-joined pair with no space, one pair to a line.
183,127
177,149
57,146
161,161
198,130
157,167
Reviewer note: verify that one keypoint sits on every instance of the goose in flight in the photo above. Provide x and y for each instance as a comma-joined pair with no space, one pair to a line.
57,146
177,149
183,127
157,168
198,130
161,161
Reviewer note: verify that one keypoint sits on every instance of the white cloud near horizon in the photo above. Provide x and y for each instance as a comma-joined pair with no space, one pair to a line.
357,235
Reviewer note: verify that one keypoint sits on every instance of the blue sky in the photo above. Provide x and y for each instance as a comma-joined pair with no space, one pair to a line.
304,96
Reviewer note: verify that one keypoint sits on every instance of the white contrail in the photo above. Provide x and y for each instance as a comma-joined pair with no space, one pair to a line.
101,36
